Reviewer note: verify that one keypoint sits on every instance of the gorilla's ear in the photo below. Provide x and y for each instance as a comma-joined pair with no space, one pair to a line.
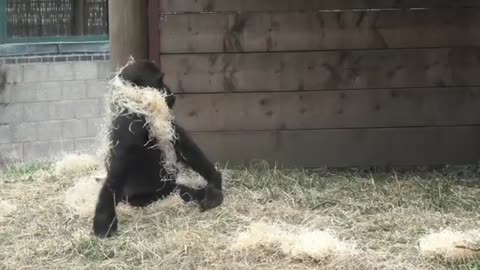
162,75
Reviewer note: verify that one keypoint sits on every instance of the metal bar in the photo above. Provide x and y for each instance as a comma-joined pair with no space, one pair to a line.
79,18
57,39
3,20
31,49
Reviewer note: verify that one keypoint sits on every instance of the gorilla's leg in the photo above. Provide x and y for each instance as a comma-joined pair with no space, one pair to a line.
190,194
147,198
142,200
105,219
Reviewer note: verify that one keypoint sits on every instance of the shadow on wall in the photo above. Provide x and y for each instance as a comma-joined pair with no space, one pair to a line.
3,84
3,81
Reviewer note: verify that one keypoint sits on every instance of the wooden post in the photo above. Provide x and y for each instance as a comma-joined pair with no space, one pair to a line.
154,30
128,30
79,18
3,21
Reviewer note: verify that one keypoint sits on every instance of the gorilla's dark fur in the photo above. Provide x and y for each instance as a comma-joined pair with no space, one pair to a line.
136,174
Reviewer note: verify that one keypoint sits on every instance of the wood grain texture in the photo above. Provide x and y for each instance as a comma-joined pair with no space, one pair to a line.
283,5
128,31
345,148
329,109
299,31
154,34
309,83
360,69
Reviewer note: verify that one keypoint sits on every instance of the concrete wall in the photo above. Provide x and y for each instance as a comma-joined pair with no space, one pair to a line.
47,109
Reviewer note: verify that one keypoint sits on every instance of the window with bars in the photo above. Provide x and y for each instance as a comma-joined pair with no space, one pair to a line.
53,20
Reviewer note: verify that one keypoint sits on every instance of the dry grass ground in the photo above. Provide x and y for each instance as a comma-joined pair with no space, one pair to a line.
381,214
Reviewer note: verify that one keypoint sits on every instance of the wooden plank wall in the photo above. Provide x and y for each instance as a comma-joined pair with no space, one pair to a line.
311,83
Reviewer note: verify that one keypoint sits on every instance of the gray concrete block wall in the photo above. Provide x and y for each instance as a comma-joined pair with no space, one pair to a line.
48,109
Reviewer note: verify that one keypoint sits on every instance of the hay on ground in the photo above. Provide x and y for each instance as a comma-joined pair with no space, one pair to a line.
451,245
82,197
75,165
190,178
296,242
383,217
6,209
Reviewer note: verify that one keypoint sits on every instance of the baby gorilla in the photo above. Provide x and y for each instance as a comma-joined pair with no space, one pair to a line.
136,174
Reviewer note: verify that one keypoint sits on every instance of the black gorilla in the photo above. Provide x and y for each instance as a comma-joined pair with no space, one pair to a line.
136,174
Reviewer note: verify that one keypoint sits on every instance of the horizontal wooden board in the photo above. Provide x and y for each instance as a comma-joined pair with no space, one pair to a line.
366,69
284,5
329,109
345,148
298,31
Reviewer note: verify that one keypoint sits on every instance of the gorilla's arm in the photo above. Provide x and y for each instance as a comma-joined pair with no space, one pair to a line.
190,154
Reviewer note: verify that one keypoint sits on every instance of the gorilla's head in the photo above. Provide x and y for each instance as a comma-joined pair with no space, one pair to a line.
144,73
